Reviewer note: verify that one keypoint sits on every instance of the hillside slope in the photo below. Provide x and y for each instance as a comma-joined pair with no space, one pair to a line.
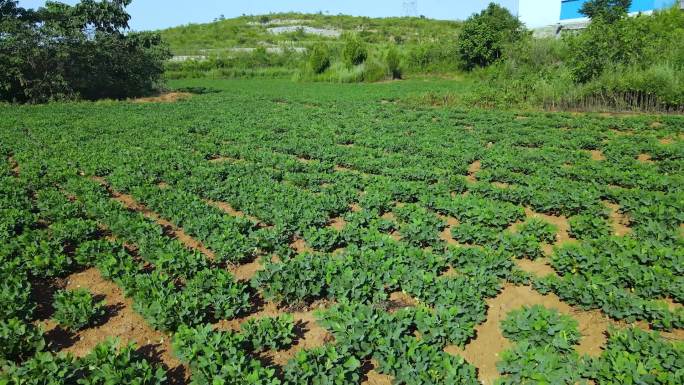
301,30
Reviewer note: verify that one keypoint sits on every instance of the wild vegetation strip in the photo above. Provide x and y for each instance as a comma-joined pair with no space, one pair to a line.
414,256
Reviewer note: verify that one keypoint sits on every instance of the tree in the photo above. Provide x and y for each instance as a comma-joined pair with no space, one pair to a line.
82,51
609,11
319,58
354,52
485,35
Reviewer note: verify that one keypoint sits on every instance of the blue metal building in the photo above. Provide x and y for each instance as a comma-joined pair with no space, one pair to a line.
570,8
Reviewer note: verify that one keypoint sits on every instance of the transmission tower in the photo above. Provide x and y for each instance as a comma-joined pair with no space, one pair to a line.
411,8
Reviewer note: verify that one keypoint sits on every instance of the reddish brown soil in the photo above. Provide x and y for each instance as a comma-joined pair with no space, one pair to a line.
597,155
561,222
445,235
618,220
473,170
120,322
130,203
228,209
399,300
645,158
539,267
221,159
337,223
311,335
169,97
300,246
372,377
342,169
484,351
246,271
14,166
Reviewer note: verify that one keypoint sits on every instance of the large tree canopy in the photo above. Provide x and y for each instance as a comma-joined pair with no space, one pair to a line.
484,36
606,10
86,50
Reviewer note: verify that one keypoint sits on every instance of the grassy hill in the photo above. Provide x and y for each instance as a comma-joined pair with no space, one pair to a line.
300,30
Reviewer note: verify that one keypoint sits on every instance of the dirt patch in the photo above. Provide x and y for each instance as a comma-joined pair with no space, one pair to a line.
445,235
246,271
645,158
300,246
561,223
337,223
666,141
310,334
355,208
169,97
473,169
539,267
171,230
228,209
14,166
656,124
621,132
122,322
618,220
223,159
501,185
399,300
372,377
484,351
305,160
342,168
597,155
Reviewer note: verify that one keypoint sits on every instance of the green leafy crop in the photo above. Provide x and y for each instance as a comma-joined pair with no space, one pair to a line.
76,309
540,326
273,333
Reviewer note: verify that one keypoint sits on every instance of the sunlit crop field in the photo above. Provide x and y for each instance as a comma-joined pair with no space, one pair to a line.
272,232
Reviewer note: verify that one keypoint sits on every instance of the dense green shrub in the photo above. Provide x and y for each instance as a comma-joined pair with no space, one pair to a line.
319,58
92,56
484,36
393,61
77,309
354,52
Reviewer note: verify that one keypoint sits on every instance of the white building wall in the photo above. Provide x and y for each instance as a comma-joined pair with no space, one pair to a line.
539,13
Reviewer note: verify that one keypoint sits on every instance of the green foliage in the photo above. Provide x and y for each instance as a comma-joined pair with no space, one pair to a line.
270,333
635,356
541,327
607,10
539,229
76,309
19,340
393,61
414,362
354,52
219,358
106,364
529,364
91,56
319,59
484,36
325,365
589,227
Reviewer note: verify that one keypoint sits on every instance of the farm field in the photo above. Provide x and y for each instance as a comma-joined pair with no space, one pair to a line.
270,232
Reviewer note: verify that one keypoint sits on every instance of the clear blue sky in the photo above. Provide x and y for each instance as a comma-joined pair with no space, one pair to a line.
157,14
